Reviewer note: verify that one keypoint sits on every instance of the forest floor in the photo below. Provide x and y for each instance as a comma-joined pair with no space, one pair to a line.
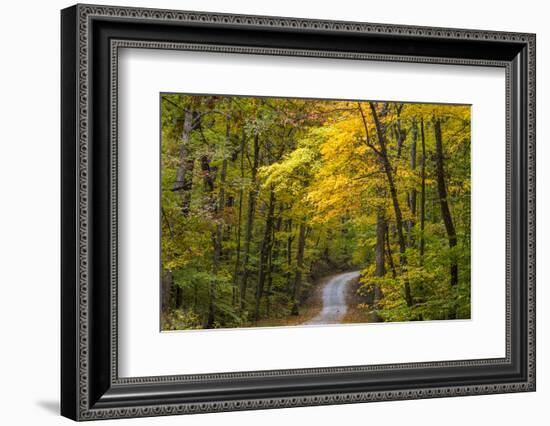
332,300
309,309
354,313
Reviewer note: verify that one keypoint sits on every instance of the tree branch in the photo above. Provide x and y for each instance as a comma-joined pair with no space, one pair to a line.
365,124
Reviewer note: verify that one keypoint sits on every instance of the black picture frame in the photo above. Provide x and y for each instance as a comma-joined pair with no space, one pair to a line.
90,386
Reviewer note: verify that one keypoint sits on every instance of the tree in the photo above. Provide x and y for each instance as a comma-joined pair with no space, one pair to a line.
382,152
263,197
442,189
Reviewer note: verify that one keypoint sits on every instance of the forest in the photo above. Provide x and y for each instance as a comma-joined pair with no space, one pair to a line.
263,198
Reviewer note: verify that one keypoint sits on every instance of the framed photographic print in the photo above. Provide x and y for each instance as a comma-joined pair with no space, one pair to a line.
263,212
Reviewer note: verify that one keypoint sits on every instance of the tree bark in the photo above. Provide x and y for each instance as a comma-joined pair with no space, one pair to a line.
299,266
250,222
184,173
273,256
380,270
170,294
207,175
422,192
393,191
218,233
389,252
443,202
239,222
289,241
167,287
400,137
412,192
267,244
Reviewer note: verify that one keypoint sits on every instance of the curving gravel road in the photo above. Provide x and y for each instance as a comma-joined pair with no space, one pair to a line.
334,299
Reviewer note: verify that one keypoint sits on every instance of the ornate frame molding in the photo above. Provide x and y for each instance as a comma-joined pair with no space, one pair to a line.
80,19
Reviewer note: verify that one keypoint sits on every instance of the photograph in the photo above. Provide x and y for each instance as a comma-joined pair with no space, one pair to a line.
297,212
281,207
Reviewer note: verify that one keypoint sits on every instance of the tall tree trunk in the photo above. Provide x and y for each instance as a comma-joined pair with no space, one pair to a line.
184,172
166,290
239,221
267,244
389,252
380,235
299,267
380,270
219,229
422,192
443,202
393,191
399,136
208,200
273,257
170,294
289,241
209,206
412,192
250,222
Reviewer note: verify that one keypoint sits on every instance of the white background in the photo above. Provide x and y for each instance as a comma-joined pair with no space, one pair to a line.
140,343
29,225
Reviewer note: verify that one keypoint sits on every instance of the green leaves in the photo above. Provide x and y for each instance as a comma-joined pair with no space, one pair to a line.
325,166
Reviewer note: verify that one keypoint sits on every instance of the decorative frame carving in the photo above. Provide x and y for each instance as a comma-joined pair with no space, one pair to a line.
87,397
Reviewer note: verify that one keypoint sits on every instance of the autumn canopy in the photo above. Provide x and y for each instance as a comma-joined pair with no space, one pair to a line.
263,197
